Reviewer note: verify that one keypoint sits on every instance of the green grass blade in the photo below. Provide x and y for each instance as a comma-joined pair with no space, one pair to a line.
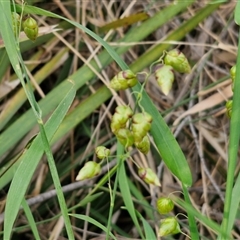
126,195
93,221
235,200
84,109
141,199
112,201
232,149
7,172
191,219
6,30
88,199
203,219
29,163
30,219
149,233
4,63
56,179
237,13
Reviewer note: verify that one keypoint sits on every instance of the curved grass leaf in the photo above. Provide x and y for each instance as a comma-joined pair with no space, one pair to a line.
81,111
229,211
203,219
237,13
93,221
149,233
29,163
148,209
234,204
191,218
30,219
126,195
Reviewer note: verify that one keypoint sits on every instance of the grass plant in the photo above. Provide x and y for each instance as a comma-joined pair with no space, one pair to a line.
59,108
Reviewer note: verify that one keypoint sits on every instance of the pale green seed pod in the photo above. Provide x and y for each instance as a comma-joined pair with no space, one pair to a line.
233,72
164,205
141,124
148,176
140,131
178,61
144,145
16,23
165,78
145,117
90,169
123,80
30,28
168,226
233,75
102,152
229,108
125,137
120,117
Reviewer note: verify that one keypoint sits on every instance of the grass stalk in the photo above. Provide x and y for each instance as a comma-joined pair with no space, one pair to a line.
233,148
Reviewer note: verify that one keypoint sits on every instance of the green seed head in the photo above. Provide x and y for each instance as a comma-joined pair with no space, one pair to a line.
178,61
148,176
90,169
124,111
123,80
233,72
102,152
121,116
144,145
30,28
142,117
164,205
233,75
168,226
229,108
165,78
125,137
141,124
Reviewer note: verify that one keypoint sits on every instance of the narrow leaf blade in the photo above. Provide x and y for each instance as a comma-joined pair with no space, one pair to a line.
29,163
93,221
237,13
